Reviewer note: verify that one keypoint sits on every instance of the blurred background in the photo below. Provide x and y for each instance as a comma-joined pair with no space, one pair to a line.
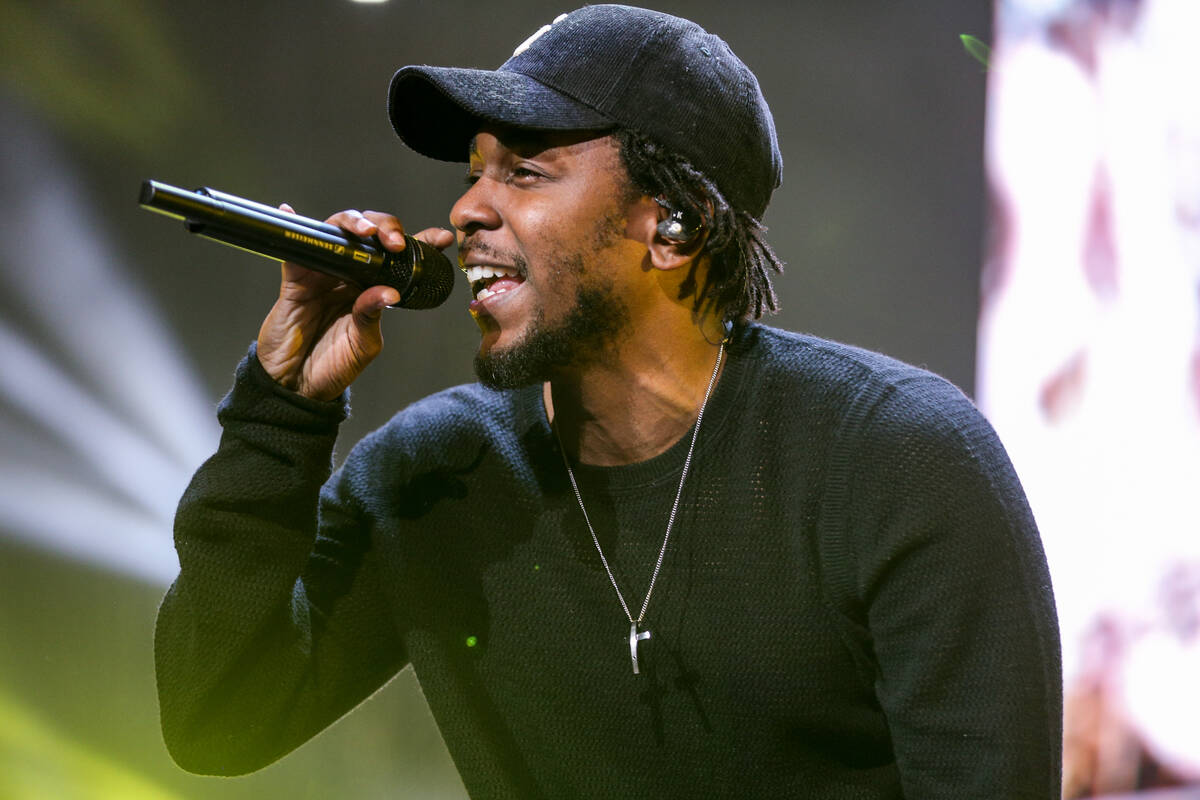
906,199
1089,359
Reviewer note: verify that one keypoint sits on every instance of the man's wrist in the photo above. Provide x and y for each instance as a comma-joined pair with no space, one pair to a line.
256,396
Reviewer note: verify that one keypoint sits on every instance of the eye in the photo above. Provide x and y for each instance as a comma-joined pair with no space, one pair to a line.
525,175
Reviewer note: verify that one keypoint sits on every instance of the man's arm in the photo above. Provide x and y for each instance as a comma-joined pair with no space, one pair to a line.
271,631
956,595
275,626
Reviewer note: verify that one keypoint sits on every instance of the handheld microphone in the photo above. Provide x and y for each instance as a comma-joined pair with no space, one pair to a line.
420,273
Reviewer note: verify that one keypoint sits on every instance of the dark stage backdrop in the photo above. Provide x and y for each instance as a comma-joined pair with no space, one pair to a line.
119,332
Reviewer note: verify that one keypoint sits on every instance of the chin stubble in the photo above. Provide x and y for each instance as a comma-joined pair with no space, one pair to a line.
584,336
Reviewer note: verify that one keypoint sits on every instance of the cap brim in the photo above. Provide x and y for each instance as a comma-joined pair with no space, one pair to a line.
437,110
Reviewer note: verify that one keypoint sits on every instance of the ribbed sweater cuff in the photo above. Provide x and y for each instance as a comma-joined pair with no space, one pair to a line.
257,397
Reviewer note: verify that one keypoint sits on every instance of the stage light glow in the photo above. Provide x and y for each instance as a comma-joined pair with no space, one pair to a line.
85,524
38,761
70,280
96,377
33,385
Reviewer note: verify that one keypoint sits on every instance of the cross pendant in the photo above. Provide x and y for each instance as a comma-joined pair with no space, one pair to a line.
634,638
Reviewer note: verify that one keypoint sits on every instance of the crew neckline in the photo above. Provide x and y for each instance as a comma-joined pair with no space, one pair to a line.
667,465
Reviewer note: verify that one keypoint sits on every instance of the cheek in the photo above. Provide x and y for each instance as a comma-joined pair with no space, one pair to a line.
537,228
548,242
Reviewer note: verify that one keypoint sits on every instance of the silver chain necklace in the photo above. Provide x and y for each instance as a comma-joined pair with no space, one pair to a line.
636,635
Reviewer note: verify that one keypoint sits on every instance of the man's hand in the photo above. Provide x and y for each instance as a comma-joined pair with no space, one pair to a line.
322,332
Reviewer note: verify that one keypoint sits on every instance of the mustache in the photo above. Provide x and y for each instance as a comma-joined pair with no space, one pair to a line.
469,247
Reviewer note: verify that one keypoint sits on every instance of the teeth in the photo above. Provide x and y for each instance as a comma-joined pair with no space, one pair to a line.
486,293
478,273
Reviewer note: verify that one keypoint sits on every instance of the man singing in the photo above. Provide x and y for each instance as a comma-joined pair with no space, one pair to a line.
659,550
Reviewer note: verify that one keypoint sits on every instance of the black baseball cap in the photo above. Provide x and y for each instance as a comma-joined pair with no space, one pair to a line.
602,67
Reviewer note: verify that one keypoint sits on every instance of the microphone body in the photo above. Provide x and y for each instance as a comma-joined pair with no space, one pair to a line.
421,274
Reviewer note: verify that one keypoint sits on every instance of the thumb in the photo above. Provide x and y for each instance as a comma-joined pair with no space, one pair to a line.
369,305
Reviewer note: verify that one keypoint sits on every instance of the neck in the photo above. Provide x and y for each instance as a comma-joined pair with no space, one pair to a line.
636,404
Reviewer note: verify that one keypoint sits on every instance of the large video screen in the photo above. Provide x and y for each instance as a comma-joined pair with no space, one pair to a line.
1089,359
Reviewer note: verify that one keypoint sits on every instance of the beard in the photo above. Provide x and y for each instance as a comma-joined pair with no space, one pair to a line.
583,336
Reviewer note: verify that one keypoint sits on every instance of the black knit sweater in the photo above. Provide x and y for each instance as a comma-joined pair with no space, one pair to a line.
854,603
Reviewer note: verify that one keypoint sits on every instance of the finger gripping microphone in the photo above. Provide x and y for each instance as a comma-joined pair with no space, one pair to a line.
420,273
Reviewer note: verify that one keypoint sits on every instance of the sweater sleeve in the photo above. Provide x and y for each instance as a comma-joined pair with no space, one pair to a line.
275,626
954,591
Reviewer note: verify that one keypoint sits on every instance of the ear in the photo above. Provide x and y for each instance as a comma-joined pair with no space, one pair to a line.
674,243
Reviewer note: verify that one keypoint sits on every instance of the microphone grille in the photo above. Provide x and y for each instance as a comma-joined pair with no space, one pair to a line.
423,274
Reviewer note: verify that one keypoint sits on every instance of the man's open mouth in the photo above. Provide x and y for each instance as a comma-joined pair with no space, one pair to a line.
487,280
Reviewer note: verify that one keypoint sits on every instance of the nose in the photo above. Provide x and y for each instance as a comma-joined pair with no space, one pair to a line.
476,209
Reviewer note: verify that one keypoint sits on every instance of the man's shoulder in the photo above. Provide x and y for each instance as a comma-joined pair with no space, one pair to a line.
861,392
891,422
835,367
469,406
468,401
456,421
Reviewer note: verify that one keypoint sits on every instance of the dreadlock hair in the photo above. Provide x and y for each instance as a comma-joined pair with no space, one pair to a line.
738,282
